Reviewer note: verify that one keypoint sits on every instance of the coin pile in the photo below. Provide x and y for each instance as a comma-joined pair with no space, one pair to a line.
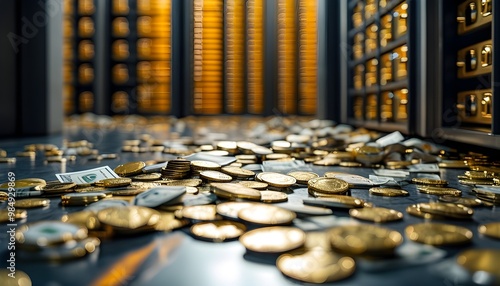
54,240
488,195
176,169
478,178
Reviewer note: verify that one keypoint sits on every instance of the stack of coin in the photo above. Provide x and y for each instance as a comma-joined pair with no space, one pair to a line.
438,234
197,166
488,195
81,199
54,240
230,146
478,178
246,159
435,210
322,187
176,169
365,239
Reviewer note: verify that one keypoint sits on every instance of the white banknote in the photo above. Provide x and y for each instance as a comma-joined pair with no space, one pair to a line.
87,176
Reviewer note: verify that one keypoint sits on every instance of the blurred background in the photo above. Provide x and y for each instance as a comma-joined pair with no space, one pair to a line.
424,68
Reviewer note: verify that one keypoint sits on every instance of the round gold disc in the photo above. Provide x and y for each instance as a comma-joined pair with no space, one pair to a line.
468,202
491,229
439,191
303,177
438,233
376,214
129,218
266,215
254,185
481,260
114,182
130,169
238,172
32,203
20,278
231,209
446,209
235,191
388,192
218,231
273,197
273,239
328,185
201,212
428,181
277,180
215,176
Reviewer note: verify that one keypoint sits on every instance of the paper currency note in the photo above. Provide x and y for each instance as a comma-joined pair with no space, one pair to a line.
87,176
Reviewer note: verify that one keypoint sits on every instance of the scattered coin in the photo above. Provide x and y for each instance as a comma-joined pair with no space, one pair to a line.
491,229
20,278
32,203
273,197
235,191
303,177
202,213
376,214
277,180
438,234
483,261
388,192
218,231
230,209
266,215
331,186
254,185
130,169
273,239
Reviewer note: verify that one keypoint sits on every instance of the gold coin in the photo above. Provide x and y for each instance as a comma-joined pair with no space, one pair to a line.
215,176
388,192
470,182
276,156
453,164
147,177
438,234
277,180
82,199
481,261
130,169
468,202
365,239
218,231
114,182
315,266
231,209
318,240
235,191
127,191
275,239
428,181
328,185
28,183
3,196
414,210
446,209
439,191
183,183
376,214
254,185
169,222
303,177
369,154
491,229
327,162
129,219
336,201
19,279
32,203
205,165
237,172
58,187
273,197
480,175
202,212
266,215
350,164
8,216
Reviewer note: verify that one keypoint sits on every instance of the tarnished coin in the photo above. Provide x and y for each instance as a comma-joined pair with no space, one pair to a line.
274,239
32,203
19,279
438,234
200,212
169,222
336,201
468,202
491,229
429,182
254,185
237,172
439,191
364,239
483,261
130,169
315,266
303,177
215,176
266,215
376,214
388,192
273,197
218,231
235,191
277,180
231,209
114,182
328,185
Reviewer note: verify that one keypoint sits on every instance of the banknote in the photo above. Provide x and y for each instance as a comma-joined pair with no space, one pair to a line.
87,176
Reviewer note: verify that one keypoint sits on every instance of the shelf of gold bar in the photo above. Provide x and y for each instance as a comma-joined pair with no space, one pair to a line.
78,56
255,56
287,55
208,57
307,56
235,55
